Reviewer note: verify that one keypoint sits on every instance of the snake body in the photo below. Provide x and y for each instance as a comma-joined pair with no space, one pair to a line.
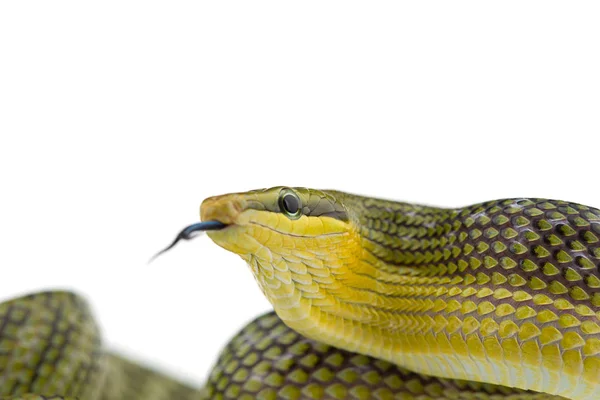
372,299
51,350
504,292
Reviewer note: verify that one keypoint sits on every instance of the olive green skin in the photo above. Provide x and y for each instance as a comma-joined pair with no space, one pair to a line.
504,292
60,357
50,347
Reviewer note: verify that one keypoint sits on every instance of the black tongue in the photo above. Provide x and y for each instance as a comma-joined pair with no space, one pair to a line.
190,232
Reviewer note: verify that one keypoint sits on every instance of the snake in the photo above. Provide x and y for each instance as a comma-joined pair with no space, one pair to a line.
372,299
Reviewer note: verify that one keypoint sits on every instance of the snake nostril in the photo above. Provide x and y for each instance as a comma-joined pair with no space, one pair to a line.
224,209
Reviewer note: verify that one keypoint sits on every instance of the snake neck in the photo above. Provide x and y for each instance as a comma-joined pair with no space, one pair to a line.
377,267
405,235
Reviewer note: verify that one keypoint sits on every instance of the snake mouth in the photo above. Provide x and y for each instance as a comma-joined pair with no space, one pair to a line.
203,226
191,231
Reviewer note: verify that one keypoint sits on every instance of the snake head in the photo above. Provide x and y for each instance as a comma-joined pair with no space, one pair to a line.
295,241
276,212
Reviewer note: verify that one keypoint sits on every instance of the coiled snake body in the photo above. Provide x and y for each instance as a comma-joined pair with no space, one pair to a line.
372,299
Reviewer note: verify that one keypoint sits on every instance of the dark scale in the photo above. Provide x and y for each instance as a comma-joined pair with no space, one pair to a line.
267,360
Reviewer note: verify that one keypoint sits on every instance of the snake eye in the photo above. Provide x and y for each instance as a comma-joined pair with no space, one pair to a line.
290,204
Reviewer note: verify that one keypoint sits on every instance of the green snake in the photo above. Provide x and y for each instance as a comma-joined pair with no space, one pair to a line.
373,299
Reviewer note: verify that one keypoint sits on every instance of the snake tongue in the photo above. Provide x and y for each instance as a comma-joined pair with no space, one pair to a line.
190,232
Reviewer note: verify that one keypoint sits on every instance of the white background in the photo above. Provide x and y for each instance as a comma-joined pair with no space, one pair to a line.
118,118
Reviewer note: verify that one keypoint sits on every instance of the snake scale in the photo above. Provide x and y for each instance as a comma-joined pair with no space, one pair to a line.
373,299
